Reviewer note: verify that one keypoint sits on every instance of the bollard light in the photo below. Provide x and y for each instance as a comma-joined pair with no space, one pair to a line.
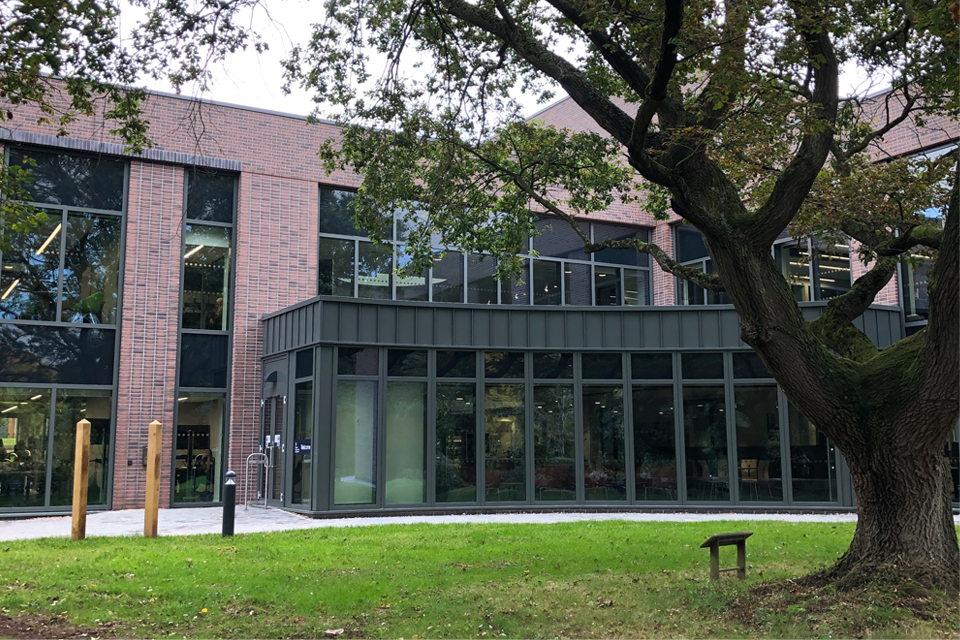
229,503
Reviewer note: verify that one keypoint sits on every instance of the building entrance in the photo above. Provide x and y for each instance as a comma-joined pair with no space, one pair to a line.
271,439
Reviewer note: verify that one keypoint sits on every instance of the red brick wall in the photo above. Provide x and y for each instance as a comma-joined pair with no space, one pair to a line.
664,284
148,326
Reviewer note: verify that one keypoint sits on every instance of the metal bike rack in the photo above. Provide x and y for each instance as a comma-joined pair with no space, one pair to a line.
257,460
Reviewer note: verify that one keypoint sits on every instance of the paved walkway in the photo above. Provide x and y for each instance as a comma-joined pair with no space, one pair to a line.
178,522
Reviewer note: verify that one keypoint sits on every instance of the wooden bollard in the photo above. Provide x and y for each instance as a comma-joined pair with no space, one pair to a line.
81,481
152,503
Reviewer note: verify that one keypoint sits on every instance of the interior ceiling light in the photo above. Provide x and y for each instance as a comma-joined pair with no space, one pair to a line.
13,285
8,409
49,239
192,251
37,397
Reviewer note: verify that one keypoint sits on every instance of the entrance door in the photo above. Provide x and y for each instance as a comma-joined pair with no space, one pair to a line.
273,446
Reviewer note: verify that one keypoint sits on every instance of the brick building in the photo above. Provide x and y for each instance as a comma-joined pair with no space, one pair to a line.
217,284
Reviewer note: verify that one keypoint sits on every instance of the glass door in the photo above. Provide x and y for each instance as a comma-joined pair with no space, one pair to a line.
271,478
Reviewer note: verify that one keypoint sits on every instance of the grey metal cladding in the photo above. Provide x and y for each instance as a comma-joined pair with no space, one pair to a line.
330,320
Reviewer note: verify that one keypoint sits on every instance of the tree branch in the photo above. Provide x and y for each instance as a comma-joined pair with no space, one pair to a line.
884,243
668,264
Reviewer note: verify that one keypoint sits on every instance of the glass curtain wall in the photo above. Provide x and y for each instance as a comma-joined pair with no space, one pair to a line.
504,444
405,459
813,461
60,295
302,472
554,443
356,427
756,416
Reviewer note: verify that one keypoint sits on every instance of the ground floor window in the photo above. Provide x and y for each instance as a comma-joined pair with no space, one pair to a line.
199,446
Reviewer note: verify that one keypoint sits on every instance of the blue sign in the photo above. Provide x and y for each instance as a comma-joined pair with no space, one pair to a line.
301,447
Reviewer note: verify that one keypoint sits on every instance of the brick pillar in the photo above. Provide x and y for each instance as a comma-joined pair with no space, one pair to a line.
148,327
276,266
664,284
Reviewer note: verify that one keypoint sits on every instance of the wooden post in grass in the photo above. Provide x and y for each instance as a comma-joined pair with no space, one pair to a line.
152,502
81,481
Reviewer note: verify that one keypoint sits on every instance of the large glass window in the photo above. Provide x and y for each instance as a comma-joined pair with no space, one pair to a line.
552,365
456,364
604,465
73,181
654,448
503,364
375,271
833,269
504,475
29,271
447,277
203,360
705,435
636,288
406,460
336,267
554,443
607,285
25,429
210,196
355,448
633,257
199,446
546,282
794,261
915,294
482,285
813,464
206,277
576,285
74,405
410,285
758,443
68,355
91,269
557,239
302,442
456,478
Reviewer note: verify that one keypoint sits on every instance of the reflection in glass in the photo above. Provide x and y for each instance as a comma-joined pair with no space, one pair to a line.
199,438
456,364
482,286
705,435
25,420
503,364
701,365
749,365
558,240
406,446
447,278
91,265
833,269
203,360
302,442
601,366
406,362
410,285
355,457
336,213
813,464
690,244
74,405
546,282
552,365
517,290
794,261
206,277
69,355
75,181
28,278
758,443
652,366
336,266
577,290
356,361
603,232
915,292
607,284
654,449
304,367
635,288
554,453
603,444
374,271
456,443
504,476
209,195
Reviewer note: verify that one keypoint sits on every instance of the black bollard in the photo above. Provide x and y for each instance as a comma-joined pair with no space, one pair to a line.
229,503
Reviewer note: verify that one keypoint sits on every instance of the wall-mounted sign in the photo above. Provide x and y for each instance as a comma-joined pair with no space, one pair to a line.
301,447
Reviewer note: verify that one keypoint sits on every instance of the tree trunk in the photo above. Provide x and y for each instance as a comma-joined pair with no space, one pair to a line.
905,528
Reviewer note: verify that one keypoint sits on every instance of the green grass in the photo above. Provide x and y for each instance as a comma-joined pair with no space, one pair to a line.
603,579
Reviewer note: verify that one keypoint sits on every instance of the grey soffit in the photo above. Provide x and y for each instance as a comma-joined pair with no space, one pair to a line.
350,321
109,148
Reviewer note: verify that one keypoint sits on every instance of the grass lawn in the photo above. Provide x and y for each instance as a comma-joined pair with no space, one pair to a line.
600,579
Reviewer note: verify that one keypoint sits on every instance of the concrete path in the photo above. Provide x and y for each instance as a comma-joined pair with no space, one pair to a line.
193,521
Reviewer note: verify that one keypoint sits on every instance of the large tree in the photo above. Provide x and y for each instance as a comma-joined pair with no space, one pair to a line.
728,114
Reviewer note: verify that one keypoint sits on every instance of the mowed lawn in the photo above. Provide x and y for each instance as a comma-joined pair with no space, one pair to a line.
587,579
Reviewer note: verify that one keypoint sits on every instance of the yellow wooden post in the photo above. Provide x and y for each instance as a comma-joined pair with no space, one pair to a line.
152,502
81,481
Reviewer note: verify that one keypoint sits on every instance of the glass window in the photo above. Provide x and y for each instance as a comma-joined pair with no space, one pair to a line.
405,362
357,361
199,438
482,286
29,273
915,293
812,461
690,293
833,270
355,457
304,363
758,443
447,278
604,466
203,360
576,285
558,240
689,244
701,365
603,232
206,277
705,434
517,290
69,355
74,405
652,366
210,196
91,272
74,181
406,446
374,271
456,364
607,285
302,442
336,213
749,365
601,366
504,476
456,443
654,448
503,364
410,286
552,365
546,282
336,266
636,289
554,443
25,414
794,261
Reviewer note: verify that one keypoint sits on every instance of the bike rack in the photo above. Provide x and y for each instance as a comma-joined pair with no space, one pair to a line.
257,460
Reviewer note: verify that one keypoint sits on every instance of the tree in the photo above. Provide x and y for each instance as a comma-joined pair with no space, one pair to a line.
730,114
